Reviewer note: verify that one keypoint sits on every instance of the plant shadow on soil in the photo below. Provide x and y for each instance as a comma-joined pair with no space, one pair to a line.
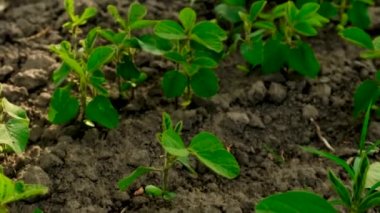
265,119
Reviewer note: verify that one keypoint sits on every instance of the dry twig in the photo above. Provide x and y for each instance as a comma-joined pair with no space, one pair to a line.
320,136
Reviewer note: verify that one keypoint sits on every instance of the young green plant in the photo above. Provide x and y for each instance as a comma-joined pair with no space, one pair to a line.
273,40
127,45
205,146
345,12
361,195
196,52
14,127
11,191
81,66
368,92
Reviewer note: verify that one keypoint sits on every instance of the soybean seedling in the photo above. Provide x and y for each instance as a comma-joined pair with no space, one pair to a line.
11,191
368,92
273,39
126,44
346,12
82,66
205,146
196,53
14,127
361,195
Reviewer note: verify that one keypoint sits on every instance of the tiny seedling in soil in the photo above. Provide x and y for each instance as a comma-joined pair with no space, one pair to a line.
11,191
127,45
197,48
205,146
82,67
14,127
368,92
359,196
273,39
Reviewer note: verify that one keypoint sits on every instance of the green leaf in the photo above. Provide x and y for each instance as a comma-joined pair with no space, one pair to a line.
211,152
171,30
153,191
136,12
294,202
124,183
70,9
140,24
166,121
253,52
267,25
256,9
291,12
173,144
11,191
173,84
14,130
97,80
369,202
115,14
154,44
127,69
358,37
358,15
209,35
376,43
100,56
229,12
360,178
340,189
303,60
205,62
62,50
101,110
175,56
367,92
308,10
88,13
188,17
205,83
61,74
333,158
328,10
373,176
274,56
306,29
63,106
91,38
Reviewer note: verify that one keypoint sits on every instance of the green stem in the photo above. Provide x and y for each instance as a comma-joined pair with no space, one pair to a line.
83,98
165,173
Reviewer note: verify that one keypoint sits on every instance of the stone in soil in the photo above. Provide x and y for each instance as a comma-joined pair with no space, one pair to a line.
277,92
31,78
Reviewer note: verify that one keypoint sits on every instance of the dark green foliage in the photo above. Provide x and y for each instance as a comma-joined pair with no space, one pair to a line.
195,49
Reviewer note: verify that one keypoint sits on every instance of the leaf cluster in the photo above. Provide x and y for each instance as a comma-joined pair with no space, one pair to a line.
11,191
273,39
205,146
196,48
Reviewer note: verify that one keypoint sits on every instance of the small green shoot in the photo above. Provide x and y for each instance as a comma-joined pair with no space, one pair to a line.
82,68
11,191
196,52
14,127
204,146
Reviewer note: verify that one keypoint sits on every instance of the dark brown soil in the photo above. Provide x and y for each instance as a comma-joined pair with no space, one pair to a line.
265,119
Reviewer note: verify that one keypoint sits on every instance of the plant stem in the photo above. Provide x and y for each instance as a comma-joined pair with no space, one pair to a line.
165,173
